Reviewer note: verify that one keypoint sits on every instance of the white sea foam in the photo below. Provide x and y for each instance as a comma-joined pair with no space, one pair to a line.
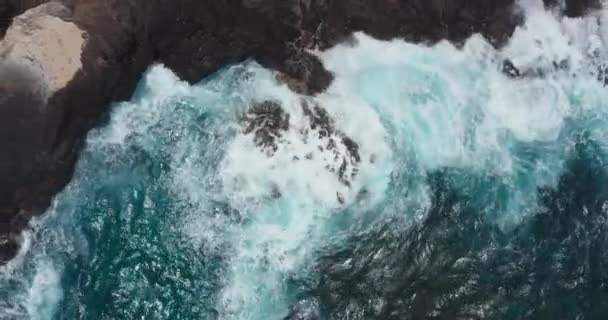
153,95
36,295
435,107
285,201
45,292
412,109
409,107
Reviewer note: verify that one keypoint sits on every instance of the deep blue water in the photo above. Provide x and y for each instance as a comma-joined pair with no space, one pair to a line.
472,195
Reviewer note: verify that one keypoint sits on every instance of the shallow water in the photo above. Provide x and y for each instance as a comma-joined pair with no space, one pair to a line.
476,195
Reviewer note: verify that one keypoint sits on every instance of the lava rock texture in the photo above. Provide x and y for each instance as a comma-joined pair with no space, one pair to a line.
41,135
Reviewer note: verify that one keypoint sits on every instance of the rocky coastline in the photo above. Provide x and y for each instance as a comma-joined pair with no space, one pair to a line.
63,62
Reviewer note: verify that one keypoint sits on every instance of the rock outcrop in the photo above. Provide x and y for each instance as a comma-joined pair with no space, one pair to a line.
64,62
44,45
574,8
266,122
39,57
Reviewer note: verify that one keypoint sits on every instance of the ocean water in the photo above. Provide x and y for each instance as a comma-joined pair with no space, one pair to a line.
471,194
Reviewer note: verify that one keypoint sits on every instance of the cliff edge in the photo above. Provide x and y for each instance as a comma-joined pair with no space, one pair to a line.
63,62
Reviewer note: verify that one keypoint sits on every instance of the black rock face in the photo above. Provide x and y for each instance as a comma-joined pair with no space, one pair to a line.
194,38
267,121
6,14
575,8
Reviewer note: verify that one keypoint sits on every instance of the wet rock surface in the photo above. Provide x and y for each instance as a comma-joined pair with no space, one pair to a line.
267,122
194,38
323,125
574,8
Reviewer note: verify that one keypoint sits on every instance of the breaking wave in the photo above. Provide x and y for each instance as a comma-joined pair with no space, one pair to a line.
427,182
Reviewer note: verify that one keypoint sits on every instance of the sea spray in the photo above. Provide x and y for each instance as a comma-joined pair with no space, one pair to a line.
176,212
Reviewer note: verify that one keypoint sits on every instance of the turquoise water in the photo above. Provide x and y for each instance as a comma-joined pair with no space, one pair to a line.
476,195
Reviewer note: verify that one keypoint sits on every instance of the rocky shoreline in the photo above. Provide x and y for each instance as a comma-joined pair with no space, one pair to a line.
63,62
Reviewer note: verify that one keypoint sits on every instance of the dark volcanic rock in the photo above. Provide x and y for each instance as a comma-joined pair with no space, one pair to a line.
304,73
41,136
418,20
17,168
267,121
6,14
575,8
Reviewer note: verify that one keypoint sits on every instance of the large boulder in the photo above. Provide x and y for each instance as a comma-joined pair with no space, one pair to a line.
40,55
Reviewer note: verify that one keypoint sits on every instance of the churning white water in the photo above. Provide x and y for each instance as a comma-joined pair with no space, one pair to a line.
174,165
